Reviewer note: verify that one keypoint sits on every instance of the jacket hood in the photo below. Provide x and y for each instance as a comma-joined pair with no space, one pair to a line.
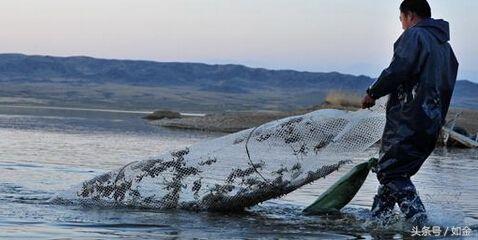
437,27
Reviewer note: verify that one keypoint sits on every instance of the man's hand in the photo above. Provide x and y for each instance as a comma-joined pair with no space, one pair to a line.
368,102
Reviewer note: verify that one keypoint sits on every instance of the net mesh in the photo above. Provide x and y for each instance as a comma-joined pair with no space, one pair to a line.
241,169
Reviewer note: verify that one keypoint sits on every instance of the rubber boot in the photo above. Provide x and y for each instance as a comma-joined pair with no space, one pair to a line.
383,203
410,204
412,207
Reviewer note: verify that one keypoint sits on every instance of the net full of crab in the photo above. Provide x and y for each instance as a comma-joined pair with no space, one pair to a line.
239,170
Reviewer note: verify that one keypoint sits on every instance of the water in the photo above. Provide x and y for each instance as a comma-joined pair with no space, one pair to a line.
44,151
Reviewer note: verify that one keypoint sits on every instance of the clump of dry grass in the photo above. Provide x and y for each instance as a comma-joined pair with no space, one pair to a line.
343,99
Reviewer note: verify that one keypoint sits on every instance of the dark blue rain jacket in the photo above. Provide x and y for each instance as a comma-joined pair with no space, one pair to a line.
420,82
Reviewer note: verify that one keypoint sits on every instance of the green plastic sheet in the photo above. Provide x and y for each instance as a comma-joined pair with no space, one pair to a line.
343,191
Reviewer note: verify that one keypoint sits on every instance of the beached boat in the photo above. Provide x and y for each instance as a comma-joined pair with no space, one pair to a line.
459,136
463,140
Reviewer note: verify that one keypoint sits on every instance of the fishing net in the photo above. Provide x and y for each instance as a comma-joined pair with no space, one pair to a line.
241,169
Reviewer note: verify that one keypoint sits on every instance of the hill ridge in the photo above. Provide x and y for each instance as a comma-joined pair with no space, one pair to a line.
84,80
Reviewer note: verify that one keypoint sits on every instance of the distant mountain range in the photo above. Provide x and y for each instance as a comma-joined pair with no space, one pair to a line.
91,82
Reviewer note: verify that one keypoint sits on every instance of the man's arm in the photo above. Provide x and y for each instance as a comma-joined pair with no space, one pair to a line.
408,58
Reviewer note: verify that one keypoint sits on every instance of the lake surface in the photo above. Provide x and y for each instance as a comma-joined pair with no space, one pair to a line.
44,151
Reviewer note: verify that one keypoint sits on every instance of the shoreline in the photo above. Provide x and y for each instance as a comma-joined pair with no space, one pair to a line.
230,122
185,114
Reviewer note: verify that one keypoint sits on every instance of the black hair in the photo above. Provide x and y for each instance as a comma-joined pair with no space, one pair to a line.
419,7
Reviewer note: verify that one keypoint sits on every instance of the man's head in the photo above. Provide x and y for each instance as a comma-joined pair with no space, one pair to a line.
413,11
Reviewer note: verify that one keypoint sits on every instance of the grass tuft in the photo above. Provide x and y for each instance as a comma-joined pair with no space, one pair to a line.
343,99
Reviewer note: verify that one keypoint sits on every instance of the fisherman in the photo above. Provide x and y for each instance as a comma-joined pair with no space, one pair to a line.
420,82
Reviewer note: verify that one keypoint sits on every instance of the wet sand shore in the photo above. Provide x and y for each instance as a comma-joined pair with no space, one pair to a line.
229,122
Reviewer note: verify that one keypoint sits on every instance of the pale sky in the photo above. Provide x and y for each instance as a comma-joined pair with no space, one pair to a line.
348,36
